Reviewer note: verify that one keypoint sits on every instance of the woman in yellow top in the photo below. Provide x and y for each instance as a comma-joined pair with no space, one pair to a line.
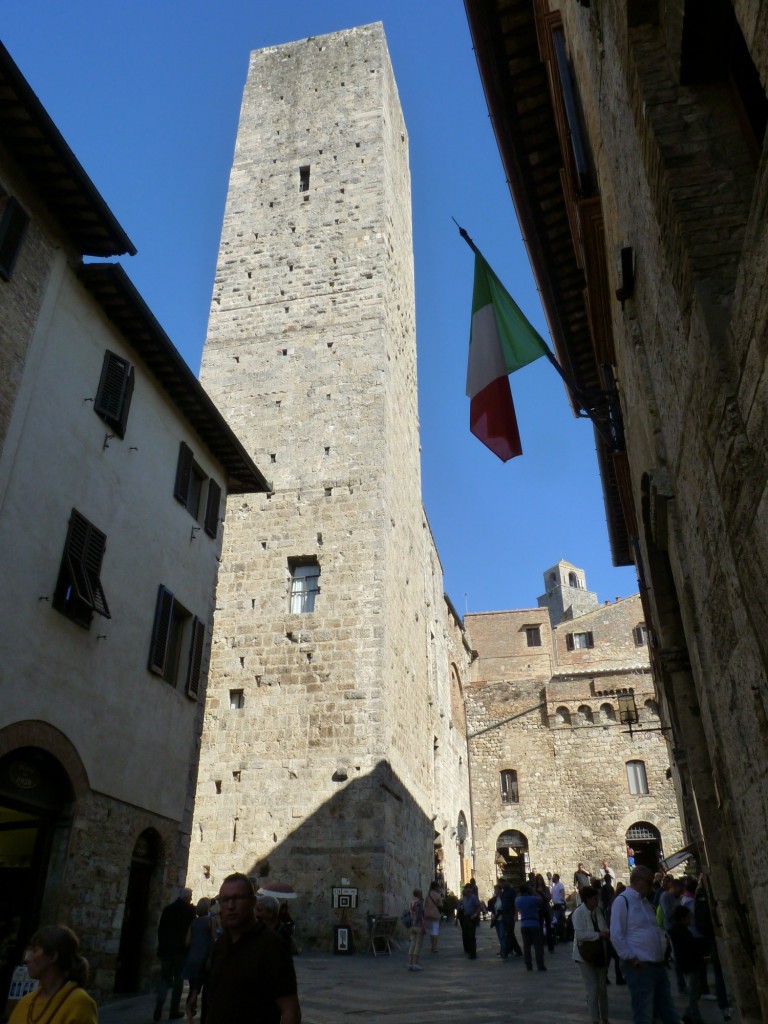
53,959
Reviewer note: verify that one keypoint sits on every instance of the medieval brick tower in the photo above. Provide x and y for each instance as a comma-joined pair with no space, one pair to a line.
317,752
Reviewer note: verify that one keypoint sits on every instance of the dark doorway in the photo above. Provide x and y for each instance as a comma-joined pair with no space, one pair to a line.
645,842
144,861
35,812
512,861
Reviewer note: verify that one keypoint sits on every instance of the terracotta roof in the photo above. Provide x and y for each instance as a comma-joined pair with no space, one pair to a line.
29,135
116,294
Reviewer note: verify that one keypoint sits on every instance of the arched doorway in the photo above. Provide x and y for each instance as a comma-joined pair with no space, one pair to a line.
512,860
144,863
644,840
36,800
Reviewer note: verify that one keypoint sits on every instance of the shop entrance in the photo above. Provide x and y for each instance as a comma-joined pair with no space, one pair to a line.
144,862
35,813
644,840
512,860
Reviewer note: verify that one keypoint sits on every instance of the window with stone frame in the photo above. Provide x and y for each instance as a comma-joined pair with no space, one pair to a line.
509,791
640,635
533,636
579,641
637,778
305,585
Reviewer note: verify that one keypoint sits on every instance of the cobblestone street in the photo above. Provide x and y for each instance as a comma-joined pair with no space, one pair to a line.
450,989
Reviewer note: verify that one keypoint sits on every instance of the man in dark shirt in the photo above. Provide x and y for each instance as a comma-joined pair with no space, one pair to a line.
172,951
509,916
252,979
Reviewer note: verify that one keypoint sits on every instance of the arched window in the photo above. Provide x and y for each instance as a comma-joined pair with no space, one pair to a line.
636,777
573,579
586,713
509,791
607,712
652,708
563,716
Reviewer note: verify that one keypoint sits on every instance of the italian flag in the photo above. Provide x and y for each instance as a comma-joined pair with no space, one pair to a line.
501,341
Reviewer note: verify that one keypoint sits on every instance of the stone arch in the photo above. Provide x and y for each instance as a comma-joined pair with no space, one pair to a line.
586,713
143,897
562,716
573,579
46,737
512,857
607,712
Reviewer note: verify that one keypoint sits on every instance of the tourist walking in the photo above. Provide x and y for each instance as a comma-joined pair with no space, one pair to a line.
172,952
433,905
53,959
470,917
531,911
639,942
509,916
200,938
558,904
590,932
417,930
497,920
689,957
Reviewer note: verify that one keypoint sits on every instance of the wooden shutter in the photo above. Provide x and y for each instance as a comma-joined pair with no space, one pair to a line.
212,506
183,474
13,224
569,641
113,397
590,640
196,648
84,553
161,631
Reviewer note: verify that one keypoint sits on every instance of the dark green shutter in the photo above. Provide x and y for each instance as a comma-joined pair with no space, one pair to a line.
161,631
213,504
84,553
196,648
183,474
113,397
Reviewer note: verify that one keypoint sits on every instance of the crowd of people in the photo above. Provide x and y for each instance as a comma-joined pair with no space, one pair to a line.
227,949
656,927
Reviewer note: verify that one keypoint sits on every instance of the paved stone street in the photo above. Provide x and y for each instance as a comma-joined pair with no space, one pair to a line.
450,989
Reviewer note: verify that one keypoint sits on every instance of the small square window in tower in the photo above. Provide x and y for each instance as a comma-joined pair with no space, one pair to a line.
305,585
304,179
509,790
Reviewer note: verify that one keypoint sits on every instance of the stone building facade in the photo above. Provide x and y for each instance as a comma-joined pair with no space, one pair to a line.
333,745
108,556
557,776
633,133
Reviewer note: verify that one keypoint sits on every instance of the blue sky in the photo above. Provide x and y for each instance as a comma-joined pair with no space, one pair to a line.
147,94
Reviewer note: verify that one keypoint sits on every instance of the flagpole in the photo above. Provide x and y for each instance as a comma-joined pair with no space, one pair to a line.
588,408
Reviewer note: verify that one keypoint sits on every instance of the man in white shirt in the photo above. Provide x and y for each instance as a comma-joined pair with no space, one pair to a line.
558,902
639,942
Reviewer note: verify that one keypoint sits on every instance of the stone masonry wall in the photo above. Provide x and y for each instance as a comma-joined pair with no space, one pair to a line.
325,772
561,733
684,184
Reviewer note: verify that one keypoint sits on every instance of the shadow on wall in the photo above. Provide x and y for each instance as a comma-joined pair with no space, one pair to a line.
371,835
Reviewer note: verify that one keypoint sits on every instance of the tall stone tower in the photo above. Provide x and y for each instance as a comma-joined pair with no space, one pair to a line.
317,762
565,594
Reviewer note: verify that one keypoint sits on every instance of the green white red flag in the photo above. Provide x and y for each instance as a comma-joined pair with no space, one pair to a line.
501,341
